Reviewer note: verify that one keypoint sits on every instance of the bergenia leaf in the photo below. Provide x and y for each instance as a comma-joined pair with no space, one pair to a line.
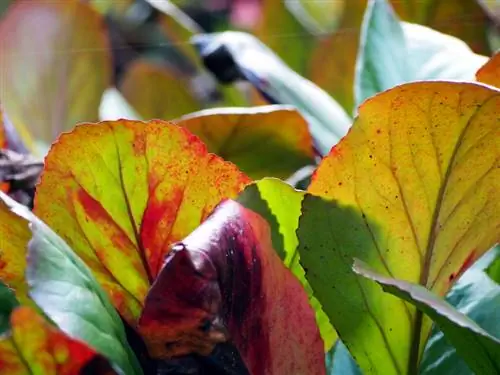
226,282
8,302
157,93
35,347
477,347
394,52
57,51
120,193
280,205
14,238
244,56
413,187
490,72
261,141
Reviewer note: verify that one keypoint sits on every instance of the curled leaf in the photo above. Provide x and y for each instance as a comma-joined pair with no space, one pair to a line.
226,282
35,347
120,193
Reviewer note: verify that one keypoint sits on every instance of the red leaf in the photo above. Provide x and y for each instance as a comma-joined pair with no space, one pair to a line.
226,282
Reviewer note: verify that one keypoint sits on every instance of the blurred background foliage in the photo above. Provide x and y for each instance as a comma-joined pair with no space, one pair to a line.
142,60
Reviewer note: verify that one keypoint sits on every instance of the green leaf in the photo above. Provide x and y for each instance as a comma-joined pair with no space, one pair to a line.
8,302
328,122
476,296
393,52
493,270
280,205
67,292
477,347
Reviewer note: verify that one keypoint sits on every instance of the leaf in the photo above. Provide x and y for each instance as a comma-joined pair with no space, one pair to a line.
464,19
394,52
476,296
119,193
235,55
332,61
8,302
477,347
261,141
414,187
156,92
490,72
14,238
225,281
319,17
279,205
340,362
493,270
282,33
55,66
115,107
35,347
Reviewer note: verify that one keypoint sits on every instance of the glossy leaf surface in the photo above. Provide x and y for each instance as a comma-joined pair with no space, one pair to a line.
262,141
157,93
120,193
55,66
393,52
67,292
477,347
414,185
36,348
280,205
246,57
225,281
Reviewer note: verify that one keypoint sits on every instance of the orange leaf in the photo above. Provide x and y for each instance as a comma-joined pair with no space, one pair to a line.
262,141
120,193
225,281
157,93
14,237
490,72
35,347
55,66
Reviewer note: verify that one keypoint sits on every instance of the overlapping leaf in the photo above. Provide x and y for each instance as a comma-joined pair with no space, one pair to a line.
225,281
120,193
55,66
490,72
155,92
414,182
14,238
477,347
393,52
280,205
35,347
261,141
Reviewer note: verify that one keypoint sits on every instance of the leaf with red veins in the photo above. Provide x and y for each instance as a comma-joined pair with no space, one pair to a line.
226,282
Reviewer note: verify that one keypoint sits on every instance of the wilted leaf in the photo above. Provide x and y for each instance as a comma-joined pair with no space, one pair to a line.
14,237
280,31
476,296
55,66
235,55
225,281
490,72
394,52
464,19
35,347
119,193
261,141
280,205
414,182
477,347
156,93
